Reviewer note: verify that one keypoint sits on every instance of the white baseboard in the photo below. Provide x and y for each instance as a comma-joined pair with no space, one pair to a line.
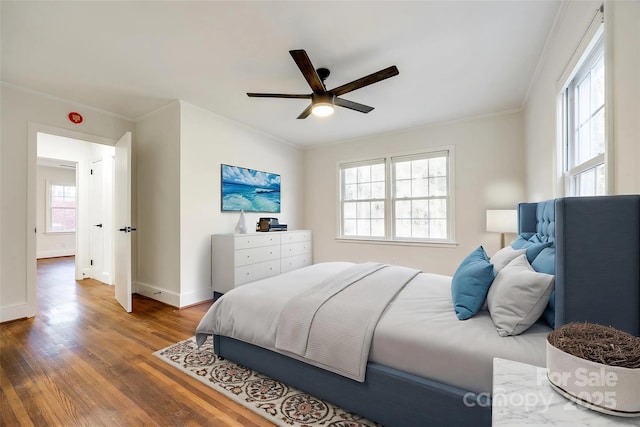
158,294
172,298
196,297
104,278
55,254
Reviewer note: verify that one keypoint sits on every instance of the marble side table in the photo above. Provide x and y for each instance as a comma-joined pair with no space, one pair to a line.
523,396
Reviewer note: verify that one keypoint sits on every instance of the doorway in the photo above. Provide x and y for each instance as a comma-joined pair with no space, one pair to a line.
122,172
86,235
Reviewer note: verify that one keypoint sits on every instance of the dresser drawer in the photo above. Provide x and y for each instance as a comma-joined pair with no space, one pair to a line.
295,262
294,236
256,240
256,255
293,249
258,271
237,259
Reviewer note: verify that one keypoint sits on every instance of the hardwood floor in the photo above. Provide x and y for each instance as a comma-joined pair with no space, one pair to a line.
84,361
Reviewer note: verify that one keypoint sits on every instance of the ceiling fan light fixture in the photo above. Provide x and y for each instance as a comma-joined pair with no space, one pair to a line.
323,104
323,101
322,109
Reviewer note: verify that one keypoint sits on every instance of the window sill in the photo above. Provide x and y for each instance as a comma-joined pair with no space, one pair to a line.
372,241
59,233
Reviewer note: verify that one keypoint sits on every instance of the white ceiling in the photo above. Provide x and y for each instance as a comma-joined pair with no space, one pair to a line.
456,59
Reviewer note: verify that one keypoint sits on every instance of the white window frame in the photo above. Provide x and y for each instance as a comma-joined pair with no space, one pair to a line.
593,45
342,168
48,207
573,168
389,217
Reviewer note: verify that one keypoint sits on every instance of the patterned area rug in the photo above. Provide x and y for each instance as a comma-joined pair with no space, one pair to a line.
282,405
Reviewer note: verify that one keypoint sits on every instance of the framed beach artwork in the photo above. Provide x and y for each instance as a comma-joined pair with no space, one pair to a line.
249,190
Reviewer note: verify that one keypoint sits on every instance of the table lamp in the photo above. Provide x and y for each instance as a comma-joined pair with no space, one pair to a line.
502,221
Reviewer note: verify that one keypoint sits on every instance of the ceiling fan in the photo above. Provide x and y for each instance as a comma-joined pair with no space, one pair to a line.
323,100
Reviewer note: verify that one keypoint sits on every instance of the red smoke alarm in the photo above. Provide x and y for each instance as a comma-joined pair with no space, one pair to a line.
75,117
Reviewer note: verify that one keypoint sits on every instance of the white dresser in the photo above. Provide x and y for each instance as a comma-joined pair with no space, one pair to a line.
237,259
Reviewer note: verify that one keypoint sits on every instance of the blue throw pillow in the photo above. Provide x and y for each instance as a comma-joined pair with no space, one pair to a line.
534,250
470,283
522,241
533,245
545,262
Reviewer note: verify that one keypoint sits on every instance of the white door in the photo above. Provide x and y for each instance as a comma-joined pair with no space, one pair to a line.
122,222
97,238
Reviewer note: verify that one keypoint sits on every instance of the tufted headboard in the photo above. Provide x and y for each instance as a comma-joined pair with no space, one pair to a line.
597,264
537,218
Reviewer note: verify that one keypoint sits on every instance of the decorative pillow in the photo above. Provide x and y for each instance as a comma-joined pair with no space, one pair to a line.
536,238
470,283
521,242
522,237
545,262
534,250
504,256
518,297
533,245
549,313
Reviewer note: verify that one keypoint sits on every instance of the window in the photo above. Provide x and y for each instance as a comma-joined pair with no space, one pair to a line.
61,208
363,199
397,198
584,125
420,197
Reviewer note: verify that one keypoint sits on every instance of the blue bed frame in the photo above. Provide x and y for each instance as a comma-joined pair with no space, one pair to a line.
597,242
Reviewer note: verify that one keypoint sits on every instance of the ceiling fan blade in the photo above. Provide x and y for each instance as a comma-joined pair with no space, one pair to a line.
307,69
366,80
277,95
306,112
352,105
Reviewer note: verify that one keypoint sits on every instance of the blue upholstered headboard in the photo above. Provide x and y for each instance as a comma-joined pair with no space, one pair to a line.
537,218
597,264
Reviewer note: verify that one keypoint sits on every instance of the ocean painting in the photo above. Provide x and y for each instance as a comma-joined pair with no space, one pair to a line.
249,190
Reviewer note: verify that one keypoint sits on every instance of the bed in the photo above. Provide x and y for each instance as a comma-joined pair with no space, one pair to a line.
594,246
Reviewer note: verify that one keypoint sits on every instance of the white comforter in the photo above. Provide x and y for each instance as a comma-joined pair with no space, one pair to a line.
324,326
418,333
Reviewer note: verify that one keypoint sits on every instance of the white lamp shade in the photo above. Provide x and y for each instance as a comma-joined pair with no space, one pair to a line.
502,220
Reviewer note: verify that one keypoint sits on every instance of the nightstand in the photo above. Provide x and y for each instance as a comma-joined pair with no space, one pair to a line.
522,395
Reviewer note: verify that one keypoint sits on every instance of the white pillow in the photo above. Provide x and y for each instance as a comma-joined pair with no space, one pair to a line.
517,297
504,256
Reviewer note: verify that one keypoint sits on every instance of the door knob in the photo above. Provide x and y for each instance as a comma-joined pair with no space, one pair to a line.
98,225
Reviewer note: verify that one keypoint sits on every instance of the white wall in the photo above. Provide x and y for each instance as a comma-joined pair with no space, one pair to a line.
21,112
180,149
489,174
622,29
158,202
52,244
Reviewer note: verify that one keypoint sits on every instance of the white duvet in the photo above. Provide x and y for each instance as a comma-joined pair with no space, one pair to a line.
419,332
